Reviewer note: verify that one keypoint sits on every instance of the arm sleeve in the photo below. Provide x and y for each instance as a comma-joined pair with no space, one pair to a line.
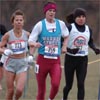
91,43
64,29
35,32
69,29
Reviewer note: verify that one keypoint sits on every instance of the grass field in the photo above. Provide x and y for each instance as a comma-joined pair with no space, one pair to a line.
91,84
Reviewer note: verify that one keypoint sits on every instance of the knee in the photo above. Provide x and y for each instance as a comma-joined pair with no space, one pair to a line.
19,91
81,85
67,88
55,86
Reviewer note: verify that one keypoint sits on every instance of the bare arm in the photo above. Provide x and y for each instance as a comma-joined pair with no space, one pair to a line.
1,50
31,48
28,34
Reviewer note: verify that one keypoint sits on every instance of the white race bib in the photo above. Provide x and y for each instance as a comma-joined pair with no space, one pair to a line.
18,46
51,52
36,68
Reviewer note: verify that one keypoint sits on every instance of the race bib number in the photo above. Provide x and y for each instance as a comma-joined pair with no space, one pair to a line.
51,52
18,46
80,42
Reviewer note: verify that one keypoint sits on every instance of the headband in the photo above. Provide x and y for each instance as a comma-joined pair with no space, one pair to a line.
49,6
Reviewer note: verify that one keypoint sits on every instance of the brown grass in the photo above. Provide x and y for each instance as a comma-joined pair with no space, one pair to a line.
91,85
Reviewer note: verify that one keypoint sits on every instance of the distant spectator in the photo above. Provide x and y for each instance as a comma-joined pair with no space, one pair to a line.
3,30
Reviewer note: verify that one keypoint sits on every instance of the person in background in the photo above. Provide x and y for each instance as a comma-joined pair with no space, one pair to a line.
3,30
76,58
46,36
16,63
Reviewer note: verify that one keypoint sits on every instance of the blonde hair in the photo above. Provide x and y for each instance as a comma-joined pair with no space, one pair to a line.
17,12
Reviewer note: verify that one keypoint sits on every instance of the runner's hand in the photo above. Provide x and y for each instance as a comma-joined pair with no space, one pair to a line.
30,59
8,52
97,51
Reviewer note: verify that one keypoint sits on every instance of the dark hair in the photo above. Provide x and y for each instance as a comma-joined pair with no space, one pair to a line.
49,1
77,12
3,29
70,18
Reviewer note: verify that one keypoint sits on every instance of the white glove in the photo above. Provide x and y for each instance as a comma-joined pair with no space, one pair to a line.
8,52
30,59
3,58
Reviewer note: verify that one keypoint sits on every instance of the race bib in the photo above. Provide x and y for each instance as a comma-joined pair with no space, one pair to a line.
36,69
51,52
80,42
18,46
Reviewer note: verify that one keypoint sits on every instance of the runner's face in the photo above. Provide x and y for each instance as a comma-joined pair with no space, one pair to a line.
18,21
80,20
50,14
